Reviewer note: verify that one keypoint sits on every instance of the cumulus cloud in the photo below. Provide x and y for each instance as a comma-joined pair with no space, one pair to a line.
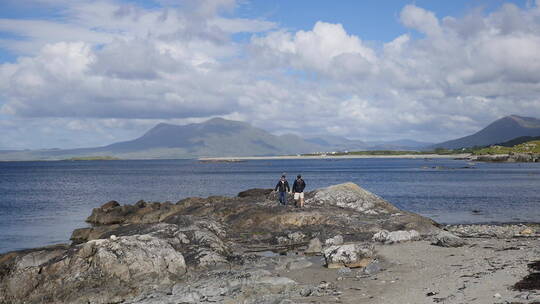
110,65
321,48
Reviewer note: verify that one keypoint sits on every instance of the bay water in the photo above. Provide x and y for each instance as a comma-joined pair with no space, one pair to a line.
42,202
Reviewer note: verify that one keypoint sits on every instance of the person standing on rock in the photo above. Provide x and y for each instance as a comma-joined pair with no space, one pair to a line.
283,187
298,189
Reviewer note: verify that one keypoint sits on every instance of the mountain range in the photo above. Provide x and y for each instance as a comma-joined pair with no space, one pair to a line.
215,137
221,137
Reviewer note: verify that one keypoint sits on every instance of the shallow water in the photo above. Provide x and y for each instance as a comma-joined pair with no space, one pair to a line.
42,202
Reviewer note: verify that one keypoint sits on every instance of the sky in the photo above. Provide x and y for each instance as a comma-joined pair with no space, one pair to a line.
89,73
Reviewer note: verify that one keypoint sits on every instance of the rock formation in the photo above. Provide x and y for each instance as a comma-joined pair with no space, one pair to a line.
509,158
133,251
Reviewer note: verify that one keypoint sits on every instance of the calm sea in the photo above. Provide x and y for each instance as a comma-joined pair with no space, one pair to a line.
42,202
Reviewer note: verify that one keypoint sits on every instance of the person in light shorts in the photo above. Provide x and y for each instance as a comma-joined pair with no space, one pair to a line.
298,190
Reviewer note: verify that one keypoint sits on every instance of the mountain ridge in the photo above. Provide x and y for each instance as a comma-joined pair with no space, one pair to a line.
501,130
220,137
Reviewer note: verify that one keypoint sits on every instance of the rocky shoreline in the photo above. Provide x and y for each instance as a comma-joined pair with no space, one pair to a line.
509,158
347,245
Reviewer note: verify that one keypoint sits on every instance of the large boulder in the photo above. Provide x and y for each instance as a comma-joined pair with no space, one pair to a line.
351,196
447,239
99,271
349,255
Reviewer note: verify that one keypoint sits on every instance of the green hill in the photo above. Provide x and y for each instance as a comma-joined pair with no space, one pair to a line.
527,147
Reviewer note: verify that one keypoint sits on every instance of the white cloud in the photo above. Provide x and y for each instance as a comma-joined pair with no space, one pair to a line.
112,66
318,49
420,19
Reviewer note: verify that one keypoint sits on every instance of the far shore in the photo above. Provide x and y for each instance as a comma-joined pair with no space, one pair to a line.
329,156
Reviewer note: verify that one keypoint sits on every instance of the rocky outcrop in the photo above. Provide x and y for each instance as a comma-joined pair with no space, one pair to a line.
133,251
494,231
141,212
127,261
400,236
351,196
510,158
255,193
118,269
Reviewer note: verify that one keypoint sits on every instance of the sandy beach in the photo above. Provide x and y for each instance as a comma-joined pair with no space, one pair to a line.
483,271
330,156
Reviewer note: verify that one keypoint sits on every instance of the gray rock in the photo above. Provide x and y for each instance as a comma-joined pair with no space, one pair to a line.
314,247
296,237
482,231
257,192
306,292
372,268
123,268
349,255
156,243
447,239
188,297
344,270
399,236
300,264
336,240
351,196
293,264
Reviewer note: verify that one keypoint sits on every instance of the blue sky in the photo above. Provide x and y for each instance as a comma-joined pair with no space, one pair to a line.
370,19
92,72
373,20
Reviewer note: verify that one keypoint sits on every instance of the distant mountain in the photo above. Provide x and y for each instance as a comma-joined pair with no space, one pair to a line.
403,144
501,130
215,137
212,138
338,143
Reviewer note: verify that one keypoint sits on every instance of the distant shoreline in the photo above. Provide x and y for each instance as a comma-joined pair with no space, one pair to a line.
408,156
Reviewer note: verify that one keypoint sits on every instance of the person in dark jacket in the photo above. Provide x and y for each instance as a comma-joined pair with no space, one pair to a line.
283,187
298,189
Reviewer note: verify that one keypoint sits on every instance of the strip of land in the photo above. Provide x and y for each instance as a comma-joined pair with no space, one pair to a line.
330,156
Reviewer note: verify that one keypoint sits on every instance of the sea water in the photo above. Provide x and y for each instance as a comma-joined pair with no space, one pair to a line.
42,202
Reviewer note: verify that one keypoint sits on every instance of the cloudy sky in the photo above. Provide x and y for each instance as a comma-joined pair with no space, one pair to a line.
89,73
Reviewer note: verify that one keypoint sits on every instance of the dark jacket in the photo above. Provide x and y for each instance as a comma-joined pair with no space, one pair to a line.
298,185
283,187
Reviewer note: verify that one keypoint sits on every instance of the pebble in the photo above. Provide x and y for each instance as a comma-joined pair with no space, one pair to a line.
305,292
524,296
497,295
344,270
